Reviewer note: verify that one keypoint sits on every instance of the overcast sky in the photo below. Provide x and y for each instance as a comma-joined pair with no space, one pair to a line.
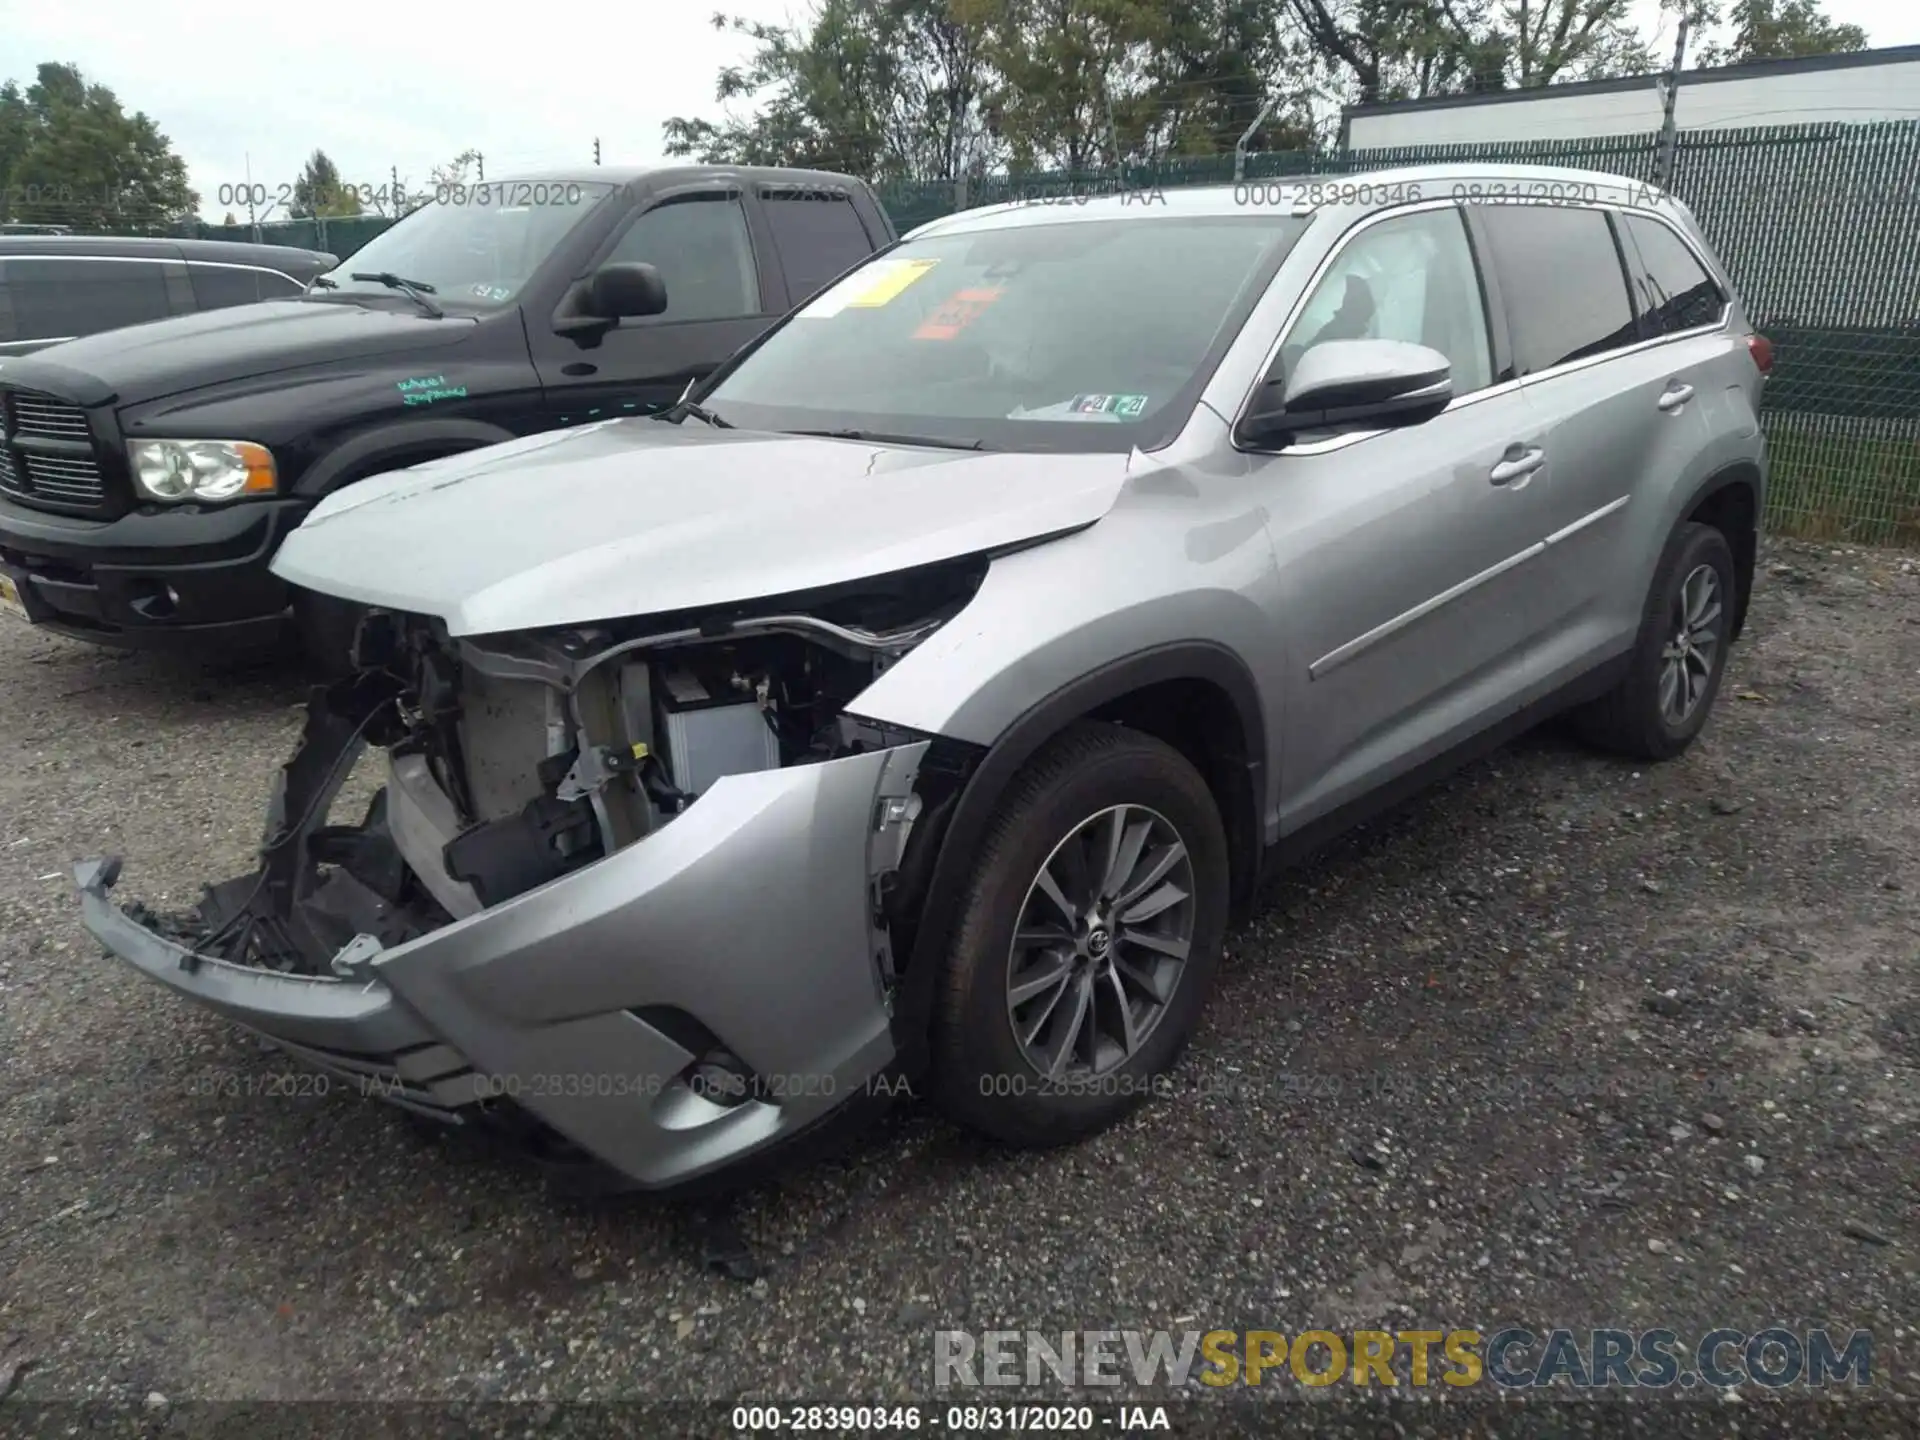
249,88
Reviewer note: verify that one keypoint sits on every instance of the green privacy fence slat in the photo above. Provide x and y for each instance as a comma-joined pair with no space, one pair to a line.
1819,224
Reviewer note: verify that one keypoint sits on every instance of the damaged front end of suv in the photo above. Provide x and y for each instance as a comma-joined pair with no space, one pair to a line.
630,889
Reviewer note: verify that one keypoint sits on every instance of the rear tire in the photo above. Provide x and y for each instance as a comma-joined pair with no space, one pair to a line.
1673,675
1108,859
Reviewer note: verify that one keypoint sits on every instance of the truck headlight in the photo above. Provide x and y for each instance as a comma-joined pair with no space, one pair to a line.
201,469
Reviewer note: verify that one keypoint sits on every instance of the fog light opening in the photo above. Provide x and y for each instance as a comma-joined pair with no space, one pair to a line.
722,1078
155,599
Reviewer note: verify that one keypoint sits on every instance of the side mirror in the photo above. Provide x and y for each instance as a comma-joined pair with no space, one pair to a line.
1342,383
617,291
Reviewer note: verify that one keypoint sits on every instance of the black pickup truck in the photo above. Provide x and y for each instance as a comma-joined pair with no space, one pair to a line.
147,475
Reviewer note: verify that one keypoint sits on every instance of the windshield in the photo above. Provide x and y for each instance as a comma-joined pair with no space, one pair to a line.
1069,335
476,245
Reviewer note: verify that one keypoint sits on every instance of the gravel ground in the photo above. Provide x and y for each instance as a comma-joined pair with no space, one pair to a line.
1565,1043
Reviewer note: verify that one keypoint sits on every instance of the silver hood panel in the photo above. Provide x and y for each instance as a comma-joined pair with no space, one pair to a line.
636,517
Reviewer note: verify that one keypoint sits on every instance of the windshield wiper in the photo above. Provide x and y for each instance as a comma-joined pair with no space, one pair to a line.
415,290
322,282
684,408
881,437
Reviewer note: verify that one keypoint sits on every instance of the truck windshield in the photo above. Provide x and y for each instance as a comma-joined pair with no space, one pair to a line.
1081,334
476,245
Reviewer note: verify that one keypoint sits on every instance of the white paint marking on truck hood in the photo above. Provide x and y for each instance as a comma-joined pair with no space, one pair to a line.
637,517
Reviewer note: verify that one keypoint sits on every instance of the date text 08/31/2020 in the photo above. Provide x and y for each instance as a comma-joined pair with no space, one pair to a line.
950,1419
387,196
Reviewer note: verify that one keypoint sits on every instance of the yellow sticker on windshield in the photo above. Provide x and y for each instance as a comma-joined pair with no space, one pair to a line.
868,289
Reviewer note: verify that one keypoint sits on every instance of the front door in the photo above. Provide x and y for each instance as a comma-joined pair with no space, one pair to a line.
700,243
1401,554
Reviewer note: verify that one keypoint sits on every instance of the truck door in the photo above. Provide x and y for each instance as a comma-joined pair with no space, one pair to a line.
723,288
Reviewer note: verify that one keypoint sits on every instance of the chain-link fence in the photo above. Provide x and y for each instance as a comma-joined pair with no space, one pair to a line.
1820,225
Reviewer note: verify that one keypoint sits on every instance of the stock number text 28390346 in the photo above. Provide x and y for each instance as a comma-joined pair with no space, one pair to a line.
386,197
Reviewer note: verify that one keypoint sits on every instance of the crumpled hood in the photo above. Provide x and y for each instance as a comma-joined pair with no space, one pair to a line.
636,517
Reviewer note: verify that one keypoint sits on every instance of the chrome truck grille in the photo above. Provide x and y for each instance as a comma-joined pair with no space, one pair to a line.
47,455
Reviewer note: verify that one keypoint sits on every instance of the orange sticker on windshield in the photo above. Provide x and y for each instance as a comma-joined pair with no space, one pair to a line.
956,313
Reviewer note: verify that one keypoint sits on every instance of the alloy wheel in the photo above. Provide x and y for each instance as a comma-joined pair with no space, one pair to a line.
1687,660
1101,942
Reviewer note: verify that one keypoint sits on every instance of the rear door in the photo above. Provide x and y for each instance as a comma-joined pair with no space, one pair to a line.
1402,554
1613,391
720,294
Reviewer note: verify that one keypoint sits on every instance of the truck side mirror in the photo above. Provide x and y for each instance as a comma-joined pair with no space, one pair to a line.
608,296
617,291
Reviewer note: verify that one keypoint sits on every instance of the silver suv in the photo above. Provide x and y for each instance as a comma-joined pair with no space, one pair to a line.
917,699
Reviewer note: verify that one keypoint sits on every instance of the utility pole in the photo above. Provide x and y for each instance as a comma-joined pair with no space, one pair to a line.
596,149
1669,131
1246,139
393,189
1113,131
480,161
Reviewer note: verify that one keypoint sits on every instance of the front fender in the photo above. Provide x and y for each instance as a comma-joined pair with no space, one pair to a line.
1059,632
402,440
1050,619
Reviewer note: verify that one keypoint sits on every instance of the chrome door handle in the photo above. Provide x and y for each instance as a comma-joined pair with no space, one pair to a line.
1675,397
1507,471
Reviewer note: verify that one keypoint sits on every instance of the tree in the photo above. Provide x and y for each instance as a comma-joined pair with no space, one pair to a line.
1400,49
319,191
1209,79
1778,30
230,221
936,89
457,171
885,89
70,155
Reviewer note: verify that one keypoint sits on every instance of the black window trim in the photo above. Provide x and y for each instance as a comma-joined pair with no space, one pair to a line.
694,191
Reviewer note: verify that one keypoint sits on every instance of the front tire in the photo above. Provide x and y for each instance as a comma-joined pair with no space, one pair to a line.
1673,676
1087,941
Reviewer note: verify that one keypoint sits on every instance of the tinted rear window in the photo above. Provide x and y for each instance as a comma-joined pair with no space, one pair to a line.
55,299
1561,283
218,286
819,235
1675,291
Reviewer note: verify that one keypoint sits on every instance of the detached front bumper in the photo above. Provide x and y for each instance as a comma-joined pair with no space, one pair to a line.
749,921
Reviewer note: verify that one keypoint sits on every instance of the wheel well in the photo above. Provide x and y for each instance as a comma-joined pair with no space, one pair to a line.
1200,720
1197,697
1730,508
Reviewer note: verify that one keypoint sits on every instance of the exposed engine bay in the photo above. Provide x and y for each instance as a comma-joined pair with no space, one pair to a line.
513,760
